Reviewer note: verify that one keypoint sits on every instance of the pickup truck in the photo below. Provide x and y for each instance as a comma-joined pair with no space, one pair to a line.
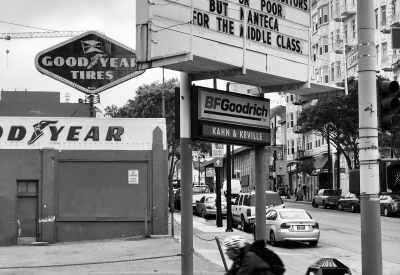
327,198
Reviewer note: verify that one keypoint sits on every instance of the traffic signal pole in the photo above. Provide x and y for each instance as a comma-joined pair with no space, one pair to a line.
371,239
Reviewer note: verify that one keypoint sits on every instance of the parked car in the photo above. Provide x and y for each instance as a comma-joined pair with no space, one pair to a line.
350,201
197,194
207,205
244,208
289,224
326,198
389,204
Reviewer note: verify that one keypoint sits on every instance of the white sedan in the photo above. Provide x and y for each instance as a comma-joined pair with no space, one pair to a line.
289,224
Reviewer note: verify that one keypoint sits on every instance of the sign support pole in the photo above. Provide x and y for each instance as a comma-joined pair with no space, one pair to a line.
228,189
218,193
186,177
261,231
371,238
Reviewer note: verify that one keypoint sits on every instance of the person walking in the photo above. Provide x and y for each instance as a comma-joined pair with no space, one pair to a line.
287,191
305,192
251,259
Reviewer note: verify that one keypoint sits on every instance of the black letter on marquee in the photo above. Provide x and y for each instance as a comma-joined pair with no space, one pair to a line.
116,134
1,131
55,132
93,133
72,132
13,133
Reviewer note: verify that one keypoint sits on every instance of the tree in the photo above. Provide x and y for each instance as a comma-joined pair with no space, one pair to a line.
148,104
340,114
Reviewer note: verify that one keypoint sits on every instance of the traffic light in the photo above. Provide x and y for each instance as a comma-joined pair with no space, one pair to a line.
393,176
388,105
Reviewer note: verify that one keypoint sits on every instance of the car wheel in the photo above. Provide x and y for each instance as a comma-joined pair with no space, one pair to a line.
314,204
353,210
386,212
313,243
339,207
324,205
272,239
244,225
234,225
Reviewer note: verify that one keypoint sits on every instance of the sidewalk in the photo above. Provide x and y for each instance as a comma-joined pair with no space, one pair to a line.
293,199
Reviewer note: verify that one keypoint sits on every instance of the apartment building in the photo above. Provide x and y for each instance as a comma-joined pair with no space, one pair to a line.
334,55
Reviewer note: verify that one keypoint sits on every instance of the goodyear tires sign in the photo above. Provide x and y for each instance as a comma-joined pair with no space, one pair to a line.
90,62
224,117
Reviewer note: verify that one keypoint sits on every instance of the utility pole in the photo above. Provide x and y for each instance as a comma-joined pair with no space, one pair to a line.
274,188
329,158
186,178
371,239
228,189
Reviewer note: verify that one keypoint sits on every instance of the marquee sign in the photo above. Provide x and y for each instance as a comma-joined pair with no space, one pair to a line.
90,62
79,133
220,116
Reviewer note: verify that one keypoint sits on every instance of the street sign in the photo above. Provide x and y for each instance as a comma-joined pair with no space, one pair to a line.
210,172
218,162
90,62
217,150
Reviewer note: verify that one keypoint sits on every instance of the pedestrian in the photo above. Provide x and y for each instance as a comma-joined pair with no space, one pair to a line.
316,191
287,191
251,259
295,193
304,192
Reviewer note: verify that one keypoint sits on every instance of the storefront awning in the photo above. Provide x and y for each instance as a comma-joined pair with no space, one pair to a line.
321,165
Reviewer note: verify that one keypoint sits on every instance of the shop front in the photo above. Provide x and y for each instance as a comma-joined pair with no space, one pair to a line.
72,179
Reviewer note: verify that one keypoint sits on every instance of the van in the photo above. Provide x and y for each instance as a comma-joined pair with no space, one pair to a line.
235,188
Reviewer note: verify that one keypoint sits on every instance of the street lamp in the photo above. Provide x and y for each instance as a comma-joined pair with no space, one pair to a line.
200,158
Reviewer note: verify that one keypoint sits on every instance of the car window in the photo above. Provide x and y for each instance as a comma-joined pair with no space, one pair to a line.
331,192
237,200
320,192
246,200
271,199
347,196
351,196
268,214
211,199
273,215
395,196
293,215
241,199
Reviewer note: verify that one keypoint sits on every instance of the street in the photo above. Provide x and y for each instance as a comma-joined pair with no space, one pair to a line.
340,239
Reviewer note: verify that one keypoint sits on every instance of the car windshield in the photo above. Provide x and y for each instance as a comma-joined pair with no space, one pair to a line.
212,199
331,192
294,215
271,198
395,196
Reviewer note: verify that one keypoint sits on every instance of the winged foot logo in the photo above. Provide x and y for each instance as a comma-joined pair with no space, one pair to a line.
38,129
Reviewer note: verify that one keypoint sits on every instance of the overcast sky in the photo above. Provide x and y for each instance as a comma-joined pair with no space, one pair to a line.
115,18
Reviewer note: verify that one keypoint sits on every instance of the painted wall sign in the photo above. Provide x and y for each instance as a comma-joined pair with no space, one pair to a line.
352,59
79,133
133,176
90,62
217,150
233,108
210,172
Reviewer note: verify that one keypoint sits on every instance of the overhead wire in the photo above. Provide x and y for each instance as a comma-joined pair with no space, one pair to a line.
26,26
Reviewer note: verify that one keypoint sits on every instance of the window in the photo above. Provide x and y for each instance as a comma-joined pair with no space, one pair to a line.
383,15
288,148
332,71
326,75
377,55
246,200
314,23
384,50
331,8
323,15
291,120
326,48
292,147
345,33
291,98
320,16
320,46
27,188
337,38
353,26
337,5
376,19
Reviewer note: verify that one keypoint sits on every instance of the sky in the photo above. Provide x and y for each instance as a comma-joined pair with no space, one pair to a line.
114,18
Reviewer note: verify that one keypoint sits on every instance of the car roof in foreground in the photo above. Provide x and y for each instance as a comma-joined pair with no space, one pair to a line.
289,209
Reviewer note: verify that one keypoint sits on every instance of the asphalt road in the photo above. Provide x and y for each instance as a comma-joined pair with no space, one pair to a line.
340,239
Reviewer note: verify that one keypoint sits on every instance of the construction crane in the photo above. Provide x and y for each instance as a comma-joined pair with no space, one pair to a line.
19,35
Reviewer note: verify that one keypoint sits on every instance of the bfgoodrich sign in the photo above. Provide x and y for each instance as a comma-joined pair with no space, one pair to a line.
221,116
90,62
82,133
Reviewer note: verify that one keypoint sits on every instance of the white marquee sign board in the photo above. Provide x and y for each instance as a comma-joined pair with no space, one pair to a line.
275,50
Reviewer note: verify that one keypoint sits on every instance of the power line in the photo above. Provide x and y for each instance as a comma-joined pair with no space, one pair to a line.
26,26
